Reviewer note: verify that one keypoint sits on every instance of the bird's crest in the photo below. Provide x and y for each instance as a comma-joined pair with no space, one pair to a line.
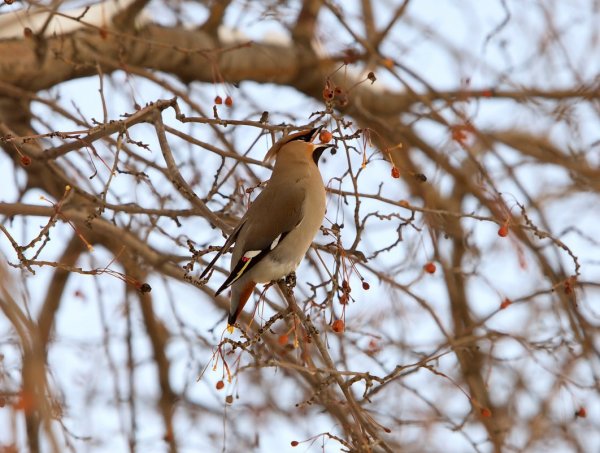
305,135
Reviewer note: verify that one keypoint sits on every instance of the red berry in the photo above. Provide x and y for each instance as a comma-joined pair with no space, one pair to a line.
395,172
505,303
218,100
581,413
429,268
485,412
25,161
503,231
338,326
365,285
344,299
325,136
220,385
283,339
294,443
228,101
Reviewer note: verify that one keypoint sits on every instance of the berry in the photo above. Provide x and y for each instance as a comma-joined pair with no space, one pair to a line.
485,412
325,136
503,231
505,303
344,299
220,385
429,268
327,94
25,161
294,443
581,412
395,172
338,326
283,339
365,285
218,100
228,101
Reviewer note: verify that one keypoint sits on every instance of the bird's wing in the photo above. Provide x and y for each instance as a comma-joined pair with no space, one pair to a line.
230,240
274,213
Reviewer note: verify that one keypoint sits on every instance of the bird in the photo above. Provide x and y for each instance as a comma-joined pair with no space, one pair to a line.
278,228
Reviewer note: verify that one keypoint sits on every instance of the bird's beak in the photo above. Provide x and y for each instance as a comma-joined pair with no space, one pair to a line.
314,133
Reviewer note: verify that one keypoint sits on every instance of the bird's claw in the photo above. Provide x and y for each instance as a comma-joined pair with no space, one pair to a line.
290,280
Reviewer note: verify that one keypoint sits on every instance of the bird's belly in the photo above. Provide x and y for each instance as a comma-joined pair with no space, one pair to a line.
270,269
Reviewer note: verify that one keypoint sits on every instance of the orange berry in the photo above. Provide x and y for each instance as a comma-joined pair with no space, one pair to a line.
294,443
325,136
505,303
228,101
395,172
344,299
485,412
503,231
283,339
220,385
218,100
581,412
338,326
365,285
25,161
429,268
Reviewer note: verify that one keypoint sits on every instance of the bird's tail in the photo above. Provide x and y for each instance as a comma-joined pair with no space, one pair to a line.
240,293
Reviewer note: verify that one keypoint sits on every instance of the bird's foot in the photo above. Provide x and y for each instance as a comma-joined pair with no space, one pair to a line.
290,280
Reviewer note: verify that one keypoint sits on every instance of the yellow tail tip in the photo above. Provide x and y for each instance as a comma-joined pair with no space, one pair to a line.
230,328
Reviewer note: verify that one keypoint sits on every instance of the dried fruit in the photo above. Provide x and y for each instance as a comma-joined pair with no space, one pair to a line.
327,93
344,299
395,172
429,268
338,326
371,77
325,136
218,100
229,399
220,385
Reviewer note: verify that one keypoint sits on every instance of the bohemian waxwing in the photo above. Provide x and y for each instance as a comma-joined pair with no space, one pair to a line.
279,226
